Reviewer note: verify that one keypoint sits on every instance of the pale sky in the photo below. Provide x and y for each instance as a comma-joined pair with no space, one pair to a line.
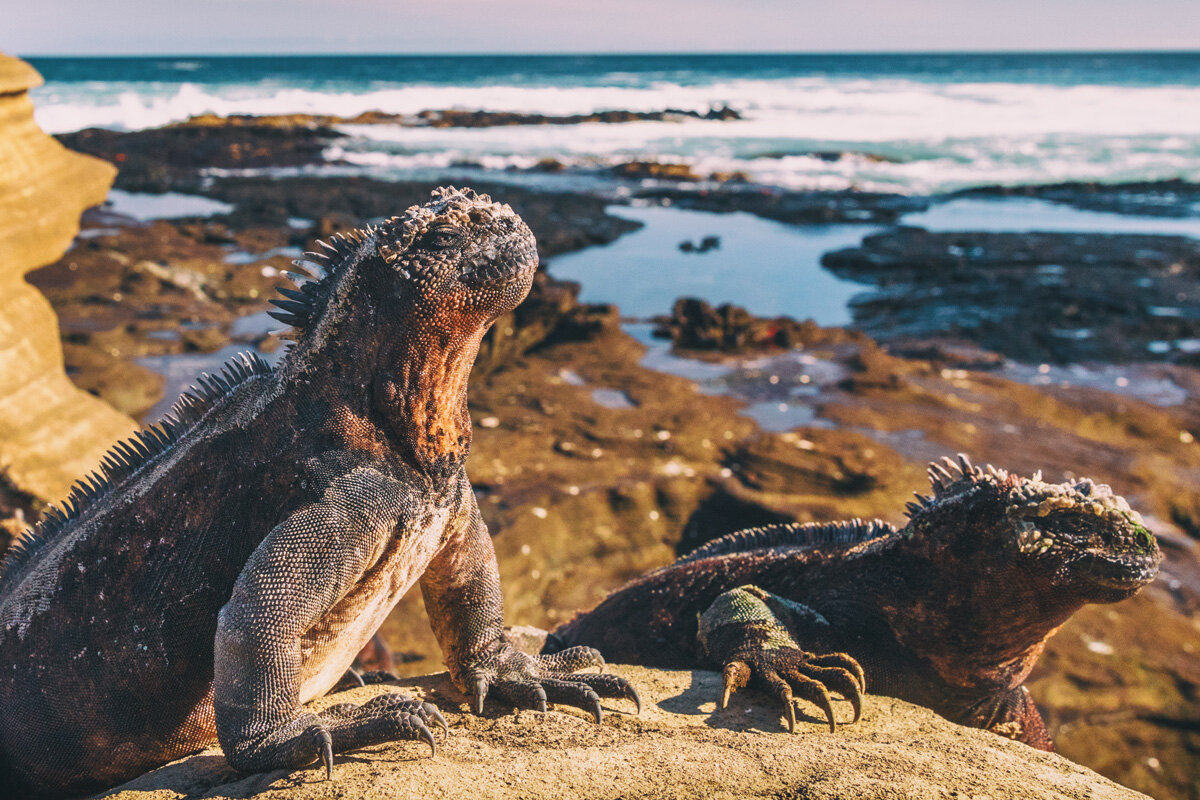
70,27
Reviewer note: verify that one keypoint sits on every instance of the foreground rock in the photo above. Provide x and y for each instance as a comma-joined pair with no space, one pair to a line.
681,746
50,432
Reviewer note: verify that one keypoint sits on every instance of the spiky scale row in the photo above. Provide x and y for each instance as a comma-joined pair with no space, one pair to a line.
126,458
312,277
809,534
949,474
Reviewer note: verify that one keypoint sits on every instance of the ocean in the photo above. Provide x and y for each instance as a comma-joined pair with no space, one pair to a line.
907,123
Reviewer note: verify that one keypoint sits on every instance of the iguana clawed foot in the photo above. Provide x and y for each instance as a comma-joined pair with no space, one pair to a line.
752,634
387,718
791,674
533,681
346,726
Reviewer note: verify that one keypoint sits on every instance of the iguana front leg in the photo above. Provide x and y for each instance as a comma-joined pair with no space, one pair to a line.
295,576
462,595
753,635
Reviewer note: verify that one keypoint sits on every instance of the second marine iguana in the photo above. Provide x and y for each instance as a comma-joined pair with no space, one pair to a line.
229,563
950,612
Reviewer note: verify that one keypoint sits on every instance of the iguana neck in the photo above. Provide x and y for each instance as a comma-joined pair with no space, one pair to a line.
402,388
977,637
420,398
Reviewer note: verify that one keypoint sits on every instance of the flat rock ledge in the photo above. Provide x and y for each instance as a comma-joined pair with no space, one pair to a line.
680,747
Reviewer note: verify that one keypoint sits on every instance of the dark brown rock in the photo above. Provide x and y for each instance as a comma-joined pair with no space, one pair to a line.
696,325
1058,297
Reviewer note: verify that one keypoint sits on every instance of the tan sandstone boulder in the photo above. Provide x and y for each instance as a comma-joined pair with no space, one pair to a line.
50,432
680,747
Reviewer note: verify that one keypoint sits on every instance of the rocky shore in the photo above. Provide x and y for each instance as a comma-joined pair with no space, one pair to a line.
592,465
1168,198
1058,297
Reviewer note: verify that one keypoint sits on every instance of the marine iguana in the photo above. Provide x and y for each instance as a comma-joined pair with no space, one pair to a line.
949,612
227,564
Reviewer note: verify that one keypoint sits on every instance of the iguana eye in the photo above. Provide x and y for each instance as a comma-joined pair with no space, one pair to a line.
442,237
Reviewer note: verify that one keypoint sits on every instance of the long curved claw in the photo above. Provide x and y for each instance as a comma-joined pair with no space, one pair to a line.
578,693
814,692
783,691
854,695
522,693
840,680
427,735
845,662
608,685
789,707
734,676
481,689
325,740
631,694
433,712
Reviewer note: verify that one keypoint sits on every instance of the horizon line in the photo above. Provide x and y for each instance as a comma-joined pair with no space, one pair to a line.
616,53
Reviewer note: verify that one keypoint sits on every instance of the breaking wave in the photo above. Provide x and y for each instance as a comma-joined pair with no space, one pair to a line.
825,132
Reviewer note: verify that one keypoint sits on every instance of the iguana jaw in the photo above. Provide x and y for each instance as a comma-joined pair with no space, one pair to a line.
1100,543
1122,574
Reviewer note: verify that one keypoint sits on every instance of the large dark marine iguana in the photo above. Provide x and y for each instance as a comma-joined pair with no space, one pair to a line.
229,563
950,612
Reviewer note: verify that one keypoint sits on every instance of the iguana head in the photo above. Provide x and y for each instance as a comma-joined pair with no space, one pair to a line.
461,256
1075,537
394,322
448,267
991,564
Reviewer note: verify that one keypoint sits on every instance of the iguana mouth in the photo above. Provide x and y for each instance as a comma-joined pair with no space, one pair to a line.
512,263
1123,571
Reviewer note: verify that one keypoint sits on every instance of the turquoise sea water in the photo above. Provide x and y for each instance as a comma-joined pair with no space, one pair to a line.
910,123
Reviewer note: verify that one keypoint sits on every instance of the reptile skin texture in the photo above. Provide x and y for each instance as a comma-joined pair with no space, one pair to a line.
950,612
227,565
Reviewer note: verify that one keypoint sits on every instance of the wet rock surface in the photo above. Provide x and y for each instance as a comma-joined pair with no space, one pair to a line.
680,746
1167,198
796,207
161,159
695,325
1059,297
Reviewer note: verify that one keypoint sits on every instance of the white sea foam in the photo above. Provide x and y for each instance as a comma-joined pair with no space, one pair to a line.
944,135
